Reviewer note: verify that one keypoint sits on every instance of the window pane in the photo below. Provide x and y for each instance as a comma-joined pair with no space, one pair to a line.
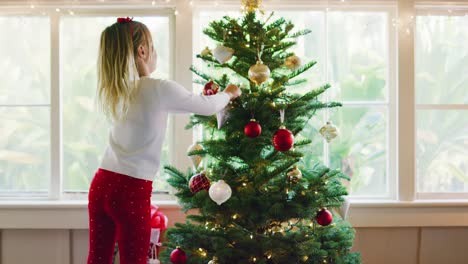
358,55
355,54
309,48
313,152
85,130
24,149
25,60
361,149
442,150
441,52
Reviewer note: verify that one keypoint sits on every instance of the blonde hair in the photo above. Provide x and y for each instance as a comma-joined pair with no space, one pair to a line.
117,68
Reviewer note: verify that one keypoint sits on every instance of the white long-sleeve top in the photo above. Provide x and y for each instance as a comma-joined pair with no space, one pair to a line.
135,143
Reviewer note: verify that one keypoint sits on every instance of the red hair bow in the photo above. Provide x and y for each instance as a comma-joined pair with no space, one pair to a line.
124,19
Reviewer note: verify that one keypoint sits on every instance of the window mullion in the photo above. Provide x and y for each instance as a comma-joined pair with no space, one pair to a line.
55,110
392,121
406,109
183,60
326,114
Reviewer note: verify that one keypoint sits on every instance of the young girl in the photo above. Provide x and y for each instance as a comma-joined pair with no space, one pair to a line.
138,105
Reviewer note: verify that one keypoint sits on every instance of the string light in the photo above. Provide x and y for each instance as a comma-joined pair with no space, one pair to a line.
202,252
32,6
176,12
153,3
57,9
71,12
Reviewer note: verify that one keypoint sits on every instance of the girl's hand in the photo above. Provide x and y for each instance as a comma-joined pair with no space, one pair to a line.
233,91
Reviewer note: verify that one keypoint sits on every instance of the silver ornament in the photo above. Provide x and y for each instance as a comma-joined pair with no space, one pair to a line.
220,192
222,53
222,116
329,131
196,159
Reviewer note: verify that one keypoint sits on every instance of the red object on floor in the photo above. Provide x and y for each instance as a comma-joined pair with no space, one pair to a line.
158,221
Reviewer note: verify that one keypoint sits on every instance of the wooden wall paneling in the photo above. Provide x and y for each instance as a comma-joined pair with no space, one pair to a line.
387,245
35,246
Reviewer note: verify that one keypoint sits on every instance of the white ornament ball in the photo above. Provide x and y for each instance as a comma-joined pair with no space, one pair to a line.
220,192
222,53
196,159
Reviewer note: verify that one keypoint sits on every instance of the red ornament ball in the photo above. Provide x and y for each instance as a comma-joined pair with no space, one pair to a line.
324,217
252,129
210,88
178,256
199,182
283,139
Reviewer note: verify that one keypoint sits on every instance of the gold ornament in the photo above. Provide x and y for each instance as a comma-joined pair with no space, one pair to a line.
251,5
214,261
259,73
329,131
292,62
196,159
205,52
294,175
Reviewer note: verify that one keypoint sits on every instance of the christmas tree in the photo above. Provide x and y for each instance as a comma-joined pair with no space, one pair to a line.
257,202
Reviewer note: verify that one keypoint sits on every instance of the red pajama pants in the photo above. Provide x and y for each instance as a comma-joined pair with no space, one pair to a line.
119,209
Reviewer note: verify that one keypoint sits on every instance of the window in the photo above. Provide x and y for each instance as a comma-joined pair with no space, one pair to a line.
25,104
352,49
27,124
48,86
441,67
